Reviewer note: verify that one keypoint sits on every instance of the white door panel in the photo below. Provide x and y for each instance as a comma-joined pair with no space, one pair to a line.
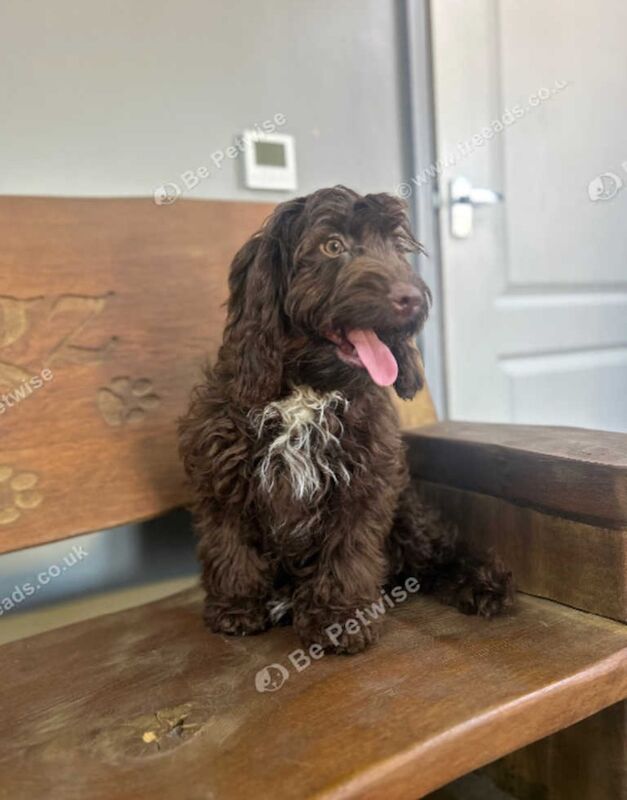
584,389
553,153
535,299
527,323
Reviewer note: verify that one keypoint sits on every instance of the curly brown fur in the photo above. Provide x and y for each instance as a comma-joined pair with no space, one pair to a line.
303,502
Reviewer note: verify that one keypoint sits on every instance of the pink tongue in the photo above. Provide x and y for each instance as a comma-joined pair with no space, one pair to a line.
376,357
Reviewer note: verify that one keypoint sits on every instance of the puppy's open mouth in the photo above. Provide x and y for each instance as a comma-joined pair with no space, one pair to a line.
364,349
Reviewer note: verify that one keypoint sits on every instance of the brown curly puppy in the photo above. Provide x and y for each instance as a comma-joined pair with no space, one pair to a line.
302,497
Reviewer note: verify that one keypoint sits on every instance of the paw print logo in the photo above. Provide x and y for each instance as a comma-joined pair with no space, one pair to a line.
127,401
604,187
18,493
167,194
271,678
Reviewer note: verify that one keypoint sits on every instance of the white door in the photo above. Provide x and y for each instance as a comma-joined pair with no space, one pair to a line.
531,101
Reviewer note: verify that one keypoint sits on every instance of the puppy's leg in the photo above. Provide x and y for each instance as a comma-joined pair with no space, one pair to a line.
424,546
337,607
237,580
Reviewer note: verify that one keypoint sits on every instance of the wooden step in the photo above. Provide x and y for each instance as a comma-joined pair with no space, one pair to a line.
145,703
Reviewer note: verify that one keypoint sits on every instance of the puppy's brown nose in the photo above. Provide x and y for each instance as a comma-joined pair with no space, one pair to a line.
406,299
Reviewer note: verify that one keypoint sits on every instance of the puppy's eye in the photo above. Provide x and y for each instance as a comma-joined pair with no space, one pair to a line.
333,247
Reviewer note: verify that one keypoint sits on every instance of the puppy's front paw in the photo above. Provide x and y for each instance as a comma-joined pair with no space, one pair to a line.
341,633
244,618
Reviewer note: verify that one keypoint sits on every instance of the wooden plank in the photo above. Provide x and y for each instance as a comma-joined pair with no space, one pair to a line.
582,565
120,300
577,473
117,303
139,704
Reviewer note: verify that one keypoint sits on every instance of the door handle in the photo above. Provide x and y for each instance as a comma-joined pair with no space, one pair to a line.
463,198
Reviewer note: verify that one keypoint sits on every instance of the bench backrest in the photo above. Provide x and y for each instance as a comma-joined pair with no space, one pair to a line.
108,308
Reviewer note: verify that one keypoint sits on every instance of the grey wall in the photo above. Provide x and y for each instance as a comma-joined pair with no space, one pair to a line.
118,97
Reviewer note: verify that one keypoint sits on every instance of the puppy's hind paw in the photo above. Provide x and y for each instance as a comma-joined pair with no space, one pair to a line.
486,592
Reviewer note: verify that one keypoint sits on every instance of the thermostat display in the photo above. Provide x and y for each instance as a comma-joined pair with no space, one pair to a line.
270,154
269,161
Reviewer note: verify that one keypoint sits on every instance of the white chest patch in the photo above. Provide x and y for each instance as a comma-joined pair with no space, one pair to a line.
306,447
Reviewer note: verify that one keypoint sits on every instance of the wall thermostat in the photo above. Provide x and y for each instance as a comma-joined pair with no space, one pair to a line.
269,161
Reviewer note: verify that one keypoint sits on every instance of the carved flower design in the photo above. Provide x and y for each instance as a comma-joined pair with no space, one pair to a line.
18,493
127,401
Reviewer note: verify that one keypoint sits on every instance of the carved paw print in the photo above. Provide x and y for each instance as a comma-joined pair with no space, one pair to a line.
127,401
18,493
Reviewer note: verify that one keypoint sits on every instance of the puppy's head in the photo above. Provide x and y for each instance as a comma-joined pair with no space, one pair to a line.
324,294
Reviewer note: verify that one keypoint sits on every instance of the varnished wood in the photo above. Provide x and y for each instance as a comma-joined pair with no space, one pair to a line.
577,473
587,761
417,412
120,301
582,565
146,703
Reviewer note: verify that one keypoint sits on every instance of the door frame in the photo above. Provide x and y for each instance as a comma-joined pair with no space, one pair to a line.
415,29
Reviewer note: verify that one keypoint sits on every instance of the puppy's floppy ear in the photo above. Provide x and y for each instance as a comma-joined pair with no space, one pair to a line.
410,370
255,327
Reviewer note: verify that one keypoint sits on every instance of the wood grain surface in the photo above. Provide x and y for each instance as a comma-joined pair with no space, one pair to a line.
120,302
582,565
146,703
573,472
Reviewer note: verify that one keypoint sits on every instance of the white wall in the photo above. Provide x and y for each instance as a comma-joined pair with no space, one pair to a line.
118,97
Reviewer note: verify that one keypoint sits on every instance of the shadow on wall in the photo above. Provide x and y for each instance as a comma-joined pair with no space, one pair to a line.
130,555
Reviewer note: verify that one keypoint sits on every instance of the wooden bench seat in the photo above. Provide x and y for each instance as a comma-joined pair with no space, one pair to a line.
122,300
145,703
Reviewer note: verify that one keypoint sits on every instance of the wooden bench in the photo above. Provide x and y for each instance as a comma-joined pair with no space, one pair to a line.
121,301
